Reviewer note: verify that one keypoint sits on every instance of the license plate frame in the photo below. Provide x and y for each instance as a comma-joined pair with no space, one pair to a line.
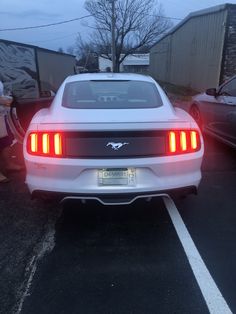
117,177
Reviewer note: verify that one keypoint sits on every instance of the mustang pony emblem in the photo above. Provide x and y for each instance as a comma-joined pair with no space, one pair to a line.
116,146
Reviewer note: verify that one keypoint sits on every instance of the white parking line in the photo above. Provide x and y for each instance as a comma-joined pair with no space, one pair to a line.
212,295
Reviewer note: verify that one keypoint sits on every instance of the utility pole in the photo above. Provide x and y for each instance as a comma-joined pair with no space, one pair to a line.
113,43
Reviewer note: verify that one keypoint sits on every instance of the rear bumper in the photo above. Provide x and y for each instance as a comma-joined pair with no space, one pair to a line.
78,178
113,199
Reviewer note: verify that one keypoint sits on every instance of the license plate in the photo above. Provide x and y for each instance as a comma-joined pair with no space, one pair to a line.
117,176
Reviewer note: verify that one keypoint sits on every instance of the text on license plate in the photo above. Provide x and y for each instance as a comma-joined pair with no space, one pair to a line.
117,176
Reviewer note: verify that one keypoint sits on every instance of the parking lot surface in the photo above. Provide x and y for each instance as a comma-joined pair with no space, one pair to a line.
94,259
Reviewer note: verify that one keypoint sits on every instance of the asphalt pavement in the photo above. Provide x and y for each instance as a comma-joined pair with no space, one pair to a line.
124,259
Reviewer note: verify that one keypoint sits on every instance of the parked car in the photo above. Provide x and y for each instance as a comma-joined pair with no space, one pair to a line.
215,111
113,138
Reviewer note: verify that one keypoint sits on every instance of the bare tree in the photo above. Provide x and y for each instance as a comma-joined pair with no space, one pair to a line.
86,54
138,24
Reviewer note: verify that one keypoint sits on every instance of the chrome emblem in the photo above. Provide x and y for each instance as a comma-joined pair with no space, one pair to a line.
116,146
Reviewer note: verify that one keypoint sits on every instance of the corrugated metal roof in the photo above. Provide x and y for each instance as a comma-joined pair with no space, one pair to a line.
137,59
206,11
34,47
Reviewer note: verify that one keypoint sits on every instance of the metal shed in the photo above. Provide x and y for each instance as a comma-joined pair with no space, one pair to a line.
29,70
200,51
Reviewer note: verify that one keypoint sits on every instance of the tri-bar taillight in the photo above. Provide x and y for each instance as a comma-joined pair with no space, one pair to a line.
183,141
45,144
53,143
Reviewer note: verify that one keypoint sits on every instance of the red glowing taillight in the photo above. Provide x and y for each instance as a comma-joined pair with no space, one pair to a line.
45,144
58,144
183,141
33,142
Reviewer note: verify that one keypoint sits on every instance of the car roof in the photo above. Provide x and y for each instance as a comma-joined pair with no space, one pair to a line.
109,76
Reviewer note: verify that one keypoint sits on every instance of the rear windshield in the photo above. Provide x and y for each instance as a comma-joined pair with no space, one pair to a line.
111,95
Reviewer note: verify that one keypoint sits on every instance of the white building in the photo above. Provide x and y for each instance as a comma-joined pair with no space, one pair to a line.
136,63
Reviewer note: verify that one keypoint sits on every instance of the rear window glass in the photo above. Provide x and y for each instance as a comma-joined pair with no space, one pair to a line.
111,95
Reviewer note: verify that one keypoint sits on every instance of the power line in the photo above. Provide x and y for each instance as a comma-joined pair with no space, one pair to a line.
44,25
63,22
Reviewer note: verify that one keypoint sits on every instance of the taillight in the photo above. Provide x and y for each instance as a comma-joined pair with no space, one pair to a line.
45,143
58,144
48,144
172,142
183,141
33,142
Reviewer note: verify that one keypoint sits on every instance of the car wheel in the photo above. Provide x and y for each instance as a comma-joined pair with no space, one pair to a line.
195,113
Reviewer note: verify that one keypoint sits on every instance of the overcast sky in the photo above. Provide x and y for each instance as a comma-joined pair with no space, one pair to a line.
25,13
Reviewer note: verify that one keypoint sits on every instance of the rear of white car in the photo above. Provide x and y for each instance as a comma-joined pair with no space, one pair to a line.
112,146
